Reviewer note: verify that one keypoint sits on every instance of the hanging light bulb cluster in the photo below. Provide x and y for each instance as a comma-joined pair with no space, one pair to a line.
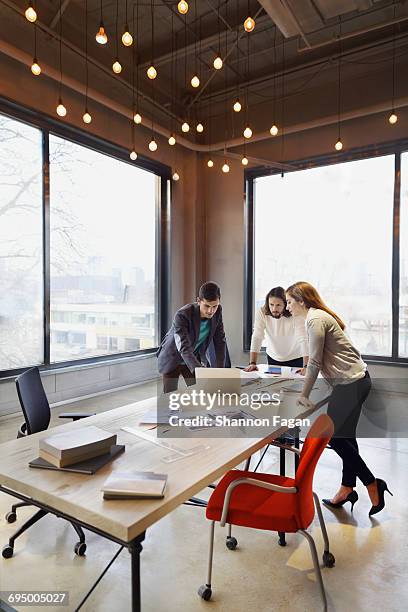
31,16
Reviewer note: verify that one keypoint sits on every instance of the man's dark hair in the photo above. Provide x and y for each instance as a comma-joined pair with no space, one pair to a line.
277,292
209,291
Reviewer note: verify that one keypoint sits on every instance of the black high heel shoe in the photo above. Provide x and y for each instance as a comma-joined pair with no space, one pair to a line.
351,497
382,488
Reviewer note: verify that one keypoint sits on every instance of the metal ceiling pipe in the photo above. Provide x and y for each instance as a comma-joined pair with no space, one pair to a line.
346,36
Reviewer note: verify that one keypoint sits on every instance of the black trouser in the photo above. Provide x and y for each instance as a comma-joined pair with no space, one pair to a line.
293,363
344,409
170,380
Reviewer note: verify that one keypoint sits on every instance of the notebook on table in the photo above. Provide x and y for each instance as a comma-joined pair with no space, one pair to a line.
89,466
134,485
70,447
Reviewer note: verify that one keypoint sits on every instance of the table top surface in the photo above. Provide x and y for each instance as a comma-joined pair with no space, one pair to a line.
79,496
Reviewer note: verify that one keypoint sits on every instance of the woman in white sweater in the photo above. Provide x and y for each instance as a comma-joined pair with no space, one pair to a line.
285,335
332,353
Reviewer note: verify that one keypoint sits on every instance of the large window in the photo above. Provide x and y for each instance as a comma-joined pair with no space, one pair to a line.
83,245
103,222
332,225
21,256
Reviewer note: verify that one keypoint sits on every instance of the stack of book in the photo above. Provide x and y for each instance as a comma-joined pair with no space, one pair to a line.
75,446
133,485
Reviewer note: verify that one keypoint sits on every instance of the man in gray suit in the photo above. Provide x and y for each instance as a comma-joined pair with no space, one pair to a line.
185,345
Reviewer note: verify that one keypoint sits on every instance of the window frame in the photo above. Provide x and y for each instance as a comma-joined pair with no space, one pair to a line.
395,148
48,126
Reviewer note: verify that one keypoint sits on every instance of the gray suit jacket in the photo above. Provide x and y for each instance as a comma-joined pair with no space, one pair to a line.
178,344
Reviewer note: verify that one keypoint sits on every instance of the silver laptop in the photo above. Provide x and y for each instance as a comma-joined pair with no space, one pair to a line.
212,380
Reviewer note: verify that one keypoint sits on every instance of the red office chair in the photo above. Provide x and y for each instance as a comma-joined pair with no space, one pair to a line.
274,503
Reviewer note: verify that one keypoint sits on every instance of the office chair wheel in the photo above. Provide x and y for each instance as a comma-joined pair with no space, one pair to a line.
282,540
328,559
7,551
205,592
80,549
11,517
231,543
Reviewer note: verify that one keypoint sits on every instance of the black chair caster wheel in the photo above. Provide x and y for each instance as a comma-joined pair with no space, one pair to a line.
328,559
7,551
205,592
80,549
11,517
231,543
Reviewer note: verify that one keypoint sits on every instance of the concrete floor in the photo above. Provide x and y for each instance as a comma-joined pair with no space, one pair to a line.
371,555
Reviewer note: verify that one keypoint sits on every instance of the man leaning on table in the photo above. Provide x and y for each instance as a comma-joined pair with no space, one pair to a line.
185,345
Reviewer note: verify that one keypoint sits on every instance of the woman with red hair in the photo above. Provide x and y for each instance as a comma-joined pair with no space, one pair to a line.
332,353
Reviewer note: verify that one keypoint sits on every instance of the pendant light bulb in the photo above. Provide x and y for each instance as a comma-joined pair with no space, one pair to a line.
195,81
274,130
185,127
200,128
225,168
172,141
237,106
249,24
133,155
151,73
339,145
35,67
210,163
182,8
217,63
247,132
61,110
127,38
101,36
393,118
137,118
153,145
117,67
86,117
244,161
30,13
175,176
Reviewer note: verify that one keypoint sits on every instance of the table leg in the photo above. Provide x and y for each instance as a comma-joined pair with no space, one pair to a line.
282,469
135,548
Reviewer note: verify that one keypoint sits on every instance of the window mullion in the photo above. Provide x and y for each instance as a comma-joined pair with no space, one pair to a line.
396,257
46,244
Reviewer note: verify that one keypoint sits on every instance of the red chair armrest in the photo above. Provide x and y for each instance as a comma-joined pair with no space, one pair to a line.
255,483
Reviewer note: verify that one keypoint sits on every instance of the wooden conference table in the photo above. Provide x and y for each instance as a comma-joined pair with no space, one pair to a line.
78,497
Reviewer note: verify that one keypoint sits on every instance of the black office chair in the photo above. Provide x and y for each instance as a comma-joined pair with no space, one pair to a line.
37,415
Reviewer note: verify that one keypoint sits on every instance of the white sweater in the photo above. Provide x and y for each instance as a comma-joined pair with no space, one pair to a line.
285,337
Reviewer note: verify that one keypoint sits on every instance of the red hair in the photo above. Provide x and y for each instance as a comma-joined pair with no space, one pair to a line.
306,293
